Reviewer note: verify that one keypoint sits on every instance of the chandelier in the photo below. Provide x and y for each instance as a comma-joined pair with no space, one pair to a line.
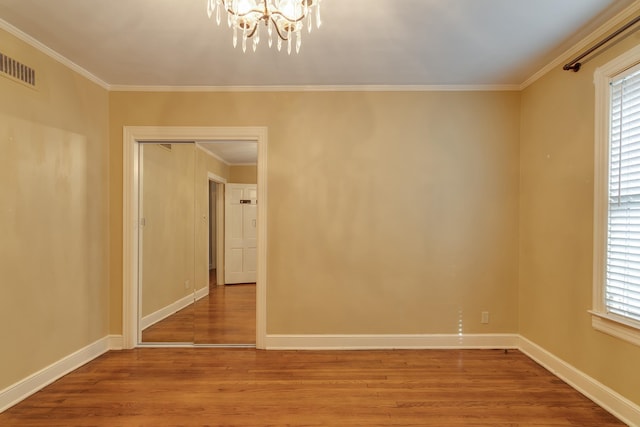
284,17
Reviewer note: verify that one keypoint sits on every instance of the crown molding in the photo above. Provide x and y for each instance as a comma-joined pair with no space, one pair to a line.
585,43
212,155
215,156
319,88
4,25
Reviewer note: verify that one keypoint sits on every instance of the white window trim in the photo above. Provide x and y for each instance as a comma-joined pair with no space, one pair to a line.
611,324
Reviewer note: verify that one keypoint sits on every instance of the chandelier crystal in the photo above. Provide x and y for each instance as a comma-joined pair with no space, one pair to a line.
285,18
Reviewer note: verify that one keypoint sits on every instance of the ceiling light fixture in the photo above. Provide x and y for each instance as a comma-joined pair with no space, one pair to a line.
286,17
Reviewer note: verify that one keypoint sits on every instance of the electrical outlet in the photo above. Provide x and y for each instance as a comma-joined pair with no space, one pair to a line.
484,318
187,284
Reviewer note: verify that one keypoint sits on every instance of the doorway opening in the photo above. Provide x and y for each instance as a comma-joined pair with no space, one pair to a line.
215,224
132,137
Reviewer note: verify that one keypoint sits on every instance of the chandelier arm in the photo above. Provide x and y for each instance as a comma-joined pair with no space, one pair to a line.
275,25
253,31
277,12
242,15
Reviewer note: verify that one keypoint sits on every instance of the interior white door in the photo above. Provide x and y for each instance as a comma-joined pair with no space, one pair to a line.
240,228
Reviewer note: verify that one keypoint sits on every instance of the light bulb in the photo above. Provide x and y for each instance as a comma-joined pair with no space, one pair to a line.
245,6
291,9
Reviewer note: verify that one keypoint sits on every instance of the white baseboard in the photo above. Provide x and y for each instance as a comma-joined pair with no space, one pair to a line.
116,342
172,308
371,342
619,406
202,292
35,382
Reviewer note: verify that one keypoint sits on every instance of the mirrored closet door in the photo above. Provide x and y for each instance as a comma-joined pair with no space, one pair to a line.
167,284
182,240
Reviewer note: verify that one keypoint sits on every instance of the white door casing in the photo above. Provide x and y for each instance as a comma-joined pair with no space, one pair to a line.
218,225
240,233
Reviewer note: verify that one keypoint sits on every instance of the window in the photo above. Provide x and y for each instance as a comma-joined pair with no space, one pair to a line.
616,296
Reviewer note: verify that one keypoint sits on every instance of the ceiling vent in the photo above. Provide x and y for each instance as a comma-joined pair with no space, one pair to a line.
13,69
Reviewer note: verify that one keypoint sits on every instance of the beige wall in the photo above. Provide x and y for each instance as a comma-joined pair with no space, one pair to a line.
556,226
53,215
243,174
168,207
388,212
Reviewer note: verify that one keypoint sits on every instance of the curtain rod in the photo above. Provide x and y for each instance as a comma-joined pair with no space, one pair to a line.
575,64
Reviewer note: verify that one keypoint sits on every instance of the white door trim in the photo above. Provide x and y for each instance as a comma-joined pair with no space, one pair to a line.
211,177
130,140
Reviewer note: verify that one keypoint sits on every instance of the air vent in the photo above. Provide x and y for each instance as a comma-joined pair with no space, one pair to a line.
11,68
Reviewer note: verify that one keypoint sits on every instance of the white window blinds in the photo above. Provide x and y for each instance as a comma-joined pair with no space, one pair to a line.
622,293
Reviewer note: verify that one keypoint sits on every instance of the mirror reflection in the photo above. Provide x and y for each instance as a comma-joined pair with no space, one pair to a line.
197,242
167,236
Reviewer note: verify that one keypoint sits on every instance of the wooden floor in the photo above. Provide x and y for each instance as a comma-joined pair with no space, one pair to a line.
248,387
226,316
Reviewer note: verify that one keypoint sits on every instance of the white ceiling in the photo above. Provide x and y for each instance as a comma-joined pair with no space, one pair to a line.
233,152
361,42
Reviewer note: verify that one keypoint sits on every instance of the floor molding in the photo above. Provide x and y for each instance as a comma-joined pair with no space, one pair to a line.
616,404
174,307
37,381
202,292
116,342
373,342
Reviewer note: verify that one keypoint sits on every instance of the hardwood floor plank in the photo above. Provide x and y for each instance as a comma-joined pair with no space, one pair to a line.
247,387
227,315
